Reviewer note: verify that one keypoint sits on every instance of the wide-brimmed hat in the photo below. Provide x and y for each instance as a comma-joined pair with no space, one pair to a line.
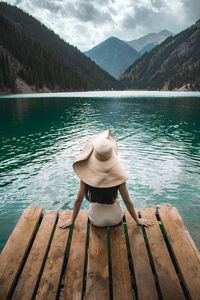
98,165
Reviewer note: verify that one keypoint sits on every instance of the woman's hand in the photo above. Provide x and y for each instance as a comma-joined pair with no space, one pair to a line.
65,224
145,222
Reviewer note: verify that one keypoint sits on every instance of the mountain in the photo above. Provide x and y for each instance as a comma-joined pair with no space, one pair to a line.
25,65
149,41
113,55
34,57
174,64
147,48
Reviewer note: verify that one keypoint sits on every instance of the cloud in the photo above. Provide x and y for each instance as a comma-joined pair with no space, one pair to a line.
87,12
85,23
192,9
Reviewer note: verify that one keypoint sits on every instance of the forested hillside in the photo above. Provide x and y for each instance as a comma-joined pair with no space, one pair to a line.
174,64
35,54
36,66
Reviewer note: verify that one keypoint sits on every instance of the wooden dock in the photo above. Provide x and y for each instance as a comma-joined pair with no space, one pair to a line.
127,261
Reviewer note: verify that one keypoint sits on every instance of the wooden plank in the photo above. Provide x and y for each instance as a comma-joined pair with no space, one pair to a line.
166,274
97,281
146,288
28,279
121,280
48,286
182,248
15,250
73,282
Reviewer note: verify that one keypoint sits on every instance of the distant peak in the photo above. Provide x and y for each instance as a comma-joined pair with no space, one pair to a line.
112,38
166,32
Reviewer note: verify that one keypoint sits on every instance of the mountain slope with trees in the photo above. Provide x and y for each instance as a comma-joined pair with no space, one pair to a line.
174,64
30,51
113,55
33,64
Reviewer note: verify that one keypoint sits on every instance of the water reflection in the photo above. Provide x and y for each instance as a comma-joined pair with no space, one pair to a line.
158,145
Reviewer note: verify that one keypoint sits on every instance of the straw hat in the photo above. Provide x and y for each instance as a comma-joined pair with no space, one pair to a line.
98,165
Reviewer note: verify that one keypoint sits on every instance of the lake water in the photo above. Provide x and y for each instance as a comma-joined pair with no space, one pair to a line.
158,135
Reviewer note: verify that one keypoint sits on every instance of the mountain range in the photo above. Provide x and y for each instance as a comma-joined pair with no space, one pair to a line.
34,58
173,64
113,55
149,41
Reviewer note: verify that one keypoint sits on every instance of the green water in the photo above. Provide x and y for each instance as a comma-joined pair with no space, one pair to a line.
159,145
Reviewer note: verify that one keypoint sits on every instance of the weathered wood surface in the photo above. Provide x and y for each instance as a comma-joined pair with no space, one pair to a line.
144,278
15,250
48,286
31,271
73,283
166,274
97,282
121,278
42,261
185,252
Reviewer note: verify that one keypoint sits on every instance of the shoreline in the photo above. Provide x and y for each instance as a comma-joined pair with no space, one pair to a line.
45,90
106,94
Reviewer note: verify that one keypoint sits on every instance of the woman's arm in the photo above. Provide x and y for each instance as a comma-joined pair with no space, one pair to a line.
77,206
129,205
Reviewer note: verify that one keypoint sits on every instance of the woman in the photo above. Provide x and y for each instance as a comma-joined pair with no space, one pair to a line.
101,177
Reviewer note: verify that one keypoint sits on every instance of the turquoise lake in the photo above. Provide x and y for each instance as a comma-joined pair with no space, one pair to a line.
158,136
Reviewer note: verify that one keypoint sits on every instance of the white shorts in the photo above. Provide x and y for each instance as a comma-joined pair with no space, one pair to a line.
105,214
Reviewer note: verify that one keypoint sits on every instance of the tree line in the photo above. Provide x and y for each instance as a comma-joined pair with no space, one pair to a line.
7,76
38,67
69,68
190,77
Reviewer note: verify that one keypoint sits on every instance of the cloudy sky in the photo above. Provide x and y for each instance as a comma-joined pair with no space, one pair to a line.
85,23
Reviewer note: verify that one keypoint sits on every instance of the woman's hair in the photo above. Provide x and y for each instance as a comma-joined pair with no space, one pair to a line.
101,195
